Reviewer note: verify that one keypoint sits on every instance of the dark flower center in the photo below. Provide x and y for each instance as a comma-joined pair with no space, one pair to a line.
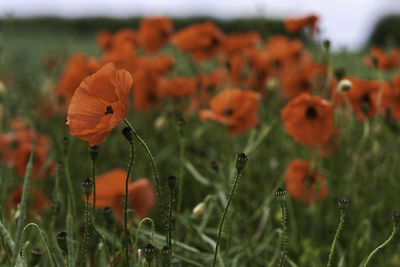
311,113
304,85
228,112
109,110
365,99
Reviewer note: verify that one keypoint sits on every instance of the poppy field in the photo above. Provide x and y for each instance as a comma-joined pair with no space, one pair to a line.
156,146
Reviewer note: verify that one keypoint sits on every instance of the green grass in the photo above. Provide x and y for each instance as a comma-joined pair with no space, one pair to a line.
367,173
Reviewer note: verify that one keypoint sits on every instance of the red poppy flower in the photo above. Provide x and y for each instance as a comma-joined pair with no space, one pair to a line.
304,184
99,104
103,39
235,108
154,32
110,192
236,42
385,61
202,40
391,98
40,202
308,119
293,25
77,68
179,86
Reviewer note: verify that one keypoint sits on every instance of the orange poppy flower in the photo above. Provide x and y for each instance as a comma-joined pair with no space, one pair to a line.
110,192
385,61
103,39
303,79
40,202
391,98
308,119
163,64
77,68
293,25
146,92
154,32
202,40
234,108
179,86
99,104
363,95
236,42
304,184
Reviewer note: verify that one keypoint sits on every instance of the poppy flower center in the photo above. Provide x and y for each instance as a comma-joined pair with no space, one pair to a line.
109,110
365,99
228,112
311,113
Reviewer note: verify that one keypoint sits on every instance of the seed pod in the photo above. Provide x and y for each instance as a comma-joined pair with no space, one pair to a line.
128,133
241,160
62,240
87,186
94,152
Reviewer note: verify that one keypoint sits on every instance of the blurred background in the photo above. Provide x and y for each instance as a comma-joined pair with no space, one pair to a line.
349,24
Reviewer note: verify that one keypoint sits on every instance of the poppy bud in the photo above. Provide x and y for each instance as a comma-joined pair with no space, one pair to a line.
396,216
65,144
62,240
36,254
375,62
181,126
344,203
87,186
175,262
149,252
94,152
344,85
108,214
128,133
241,160
280,195
199,209
365,108
340,73
166,254
171,182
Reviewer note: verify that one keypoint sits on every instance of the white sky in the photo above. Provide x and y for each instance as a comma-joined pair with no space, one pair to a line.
347,23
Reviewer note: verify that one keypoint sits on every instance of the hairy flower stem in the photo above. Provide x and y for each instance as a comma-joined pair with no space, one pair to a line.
132,157
284,243
339,229
171,217
86,235
221,224
69,183
181,159
395,230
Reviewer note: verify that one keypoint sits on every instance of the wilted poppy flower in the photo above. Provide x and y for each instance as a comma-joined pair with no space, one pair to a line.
202,40
110,192
38,200
77,68
154,32
308,119
293,25
303,79
179,86
234,108
363,96
304,184
385,61
99,104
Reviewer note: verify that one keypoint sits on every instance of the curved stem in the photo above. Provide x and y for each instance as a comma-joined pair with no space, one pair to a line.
284,234
221,224
395,229
41,237
138,231
339,229
94,185
126,203
86,236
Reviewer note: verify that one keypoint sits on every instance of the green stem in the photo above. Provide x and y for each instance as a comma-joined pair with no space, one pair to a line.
86,236
6,237
138,231
69,183
339,229
94,186
170,217
181,160
126,203
284,234
221,224
395,229
41,237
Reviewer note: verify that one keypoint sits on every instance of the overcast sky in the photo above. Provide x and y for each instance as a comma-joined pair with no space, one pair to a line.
347,23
